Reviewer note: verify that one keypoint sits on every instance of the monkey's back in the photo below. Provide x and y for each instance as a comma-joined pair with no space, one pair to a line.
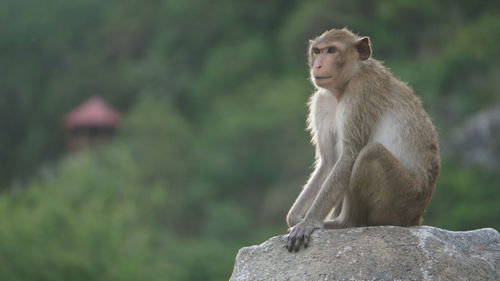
407,131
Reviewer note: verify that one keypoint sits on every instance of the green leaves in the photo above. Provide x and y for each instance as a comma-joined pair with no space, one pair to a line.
212,149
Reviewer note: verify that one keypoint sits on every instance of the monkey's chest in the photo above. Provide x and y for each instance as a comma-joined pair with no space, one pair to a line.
329,126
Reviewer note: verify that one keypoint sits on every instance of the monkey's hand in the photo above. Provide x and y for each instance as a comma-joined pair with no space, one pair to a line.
300,234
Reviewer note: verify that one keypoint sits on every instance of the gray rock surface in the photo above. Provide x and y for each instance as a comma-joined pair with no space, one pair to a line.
477,140
376,253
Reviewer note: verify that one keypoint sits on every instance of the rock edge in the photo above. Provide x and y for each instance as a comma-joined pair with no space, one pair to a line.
376,253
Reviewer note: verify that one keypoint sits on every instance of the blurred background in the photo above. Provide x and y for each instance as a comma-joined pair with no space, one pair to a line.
150,140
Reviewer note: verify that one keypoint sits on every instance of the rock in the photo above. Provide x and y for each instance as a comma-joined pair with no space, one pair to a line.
376,253
477,140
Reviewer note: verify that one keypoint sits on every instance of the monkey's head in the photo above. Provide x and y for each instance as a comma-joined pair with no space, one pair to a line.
335,56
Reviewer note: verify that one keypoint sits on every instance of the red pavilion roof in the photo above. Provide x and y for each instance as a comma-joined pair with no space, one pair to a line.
95,112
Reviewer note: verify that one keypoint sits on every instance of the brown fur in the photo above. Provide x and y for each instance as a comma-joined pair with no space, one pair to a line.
377,156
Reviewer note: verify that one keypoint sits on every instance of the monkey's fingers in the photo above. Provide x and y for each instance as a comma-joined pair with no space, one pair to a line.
307,236
307,239
290,242
300,239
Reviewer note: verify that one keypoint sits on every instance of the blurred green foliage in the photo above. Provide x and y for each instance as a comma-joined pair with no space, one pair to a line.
212,150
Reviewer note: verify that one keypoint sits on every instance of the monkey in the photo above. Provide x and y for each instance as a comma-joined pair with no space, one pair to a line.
376,149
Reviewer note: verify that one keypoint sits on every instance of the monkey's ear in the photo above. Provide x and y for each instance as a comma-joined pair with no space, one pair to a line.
364,48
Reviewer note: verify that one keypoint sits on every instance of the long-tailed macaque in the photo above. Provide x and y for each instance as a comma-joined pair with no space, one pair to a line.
377,156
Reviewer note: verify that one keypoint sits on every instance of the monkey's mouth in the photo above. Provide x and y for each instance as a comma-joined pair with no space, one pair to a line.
322,77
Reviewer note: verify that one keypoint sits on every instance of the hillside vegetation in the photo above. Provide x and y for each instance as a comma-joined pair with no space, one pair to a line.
213,148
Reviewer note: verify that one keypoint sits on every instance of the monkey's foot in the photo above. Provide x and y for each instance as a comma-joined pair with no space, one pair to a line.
333,224
299,235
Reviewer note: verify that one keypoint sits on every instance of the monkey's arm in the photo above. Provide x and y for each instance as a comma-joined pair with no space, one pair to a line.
333,189
330,194
303,203
357,130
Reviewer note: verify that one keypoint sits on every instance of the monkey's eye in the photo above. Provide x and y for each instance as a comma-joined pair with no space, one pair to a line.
331,50
316,51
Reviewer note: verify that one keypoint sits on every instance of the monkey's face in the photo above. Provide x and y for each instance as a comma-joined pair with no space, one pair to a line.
325,63
335,56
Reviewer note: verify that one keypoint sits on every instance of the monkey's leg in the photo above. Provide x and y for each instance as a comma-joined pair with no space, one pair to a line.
381,192
331,221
